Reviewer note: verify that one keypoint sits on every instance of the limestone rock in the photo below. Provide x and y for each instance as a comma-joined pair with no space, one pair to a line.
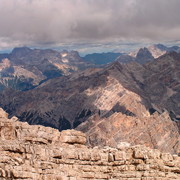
73,137
3,114
37,152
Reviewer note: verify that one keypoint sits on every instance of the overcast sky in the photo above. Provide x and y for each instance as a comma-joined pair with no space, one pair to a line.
52,22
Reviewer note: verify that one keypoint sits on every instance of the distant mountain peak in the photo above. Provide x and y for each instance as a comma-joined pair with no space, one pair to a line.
143,50
143,55
102,58
22,49
161,47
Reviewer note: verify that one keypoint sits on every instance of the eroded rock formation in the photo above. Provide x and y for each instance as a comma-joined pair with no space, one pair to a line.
37,152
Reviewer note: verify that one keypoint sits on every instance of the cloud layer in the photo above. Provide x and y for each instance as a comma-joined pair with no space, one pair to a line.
51,22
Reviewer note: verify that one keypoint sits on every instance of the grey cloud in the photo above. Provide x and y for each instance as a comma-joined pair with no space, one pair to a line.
38,22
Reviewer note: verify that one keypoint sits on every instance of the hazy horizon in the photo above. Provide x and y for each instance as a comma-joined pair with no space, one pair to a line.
88,25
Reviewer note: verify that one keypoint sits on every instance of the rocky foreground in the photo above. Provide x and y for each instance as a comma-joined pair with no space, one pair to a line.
37,152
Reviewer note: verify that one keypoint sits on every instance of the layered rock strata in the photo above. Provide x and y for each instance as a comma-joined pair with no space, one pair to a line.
156,131
37,152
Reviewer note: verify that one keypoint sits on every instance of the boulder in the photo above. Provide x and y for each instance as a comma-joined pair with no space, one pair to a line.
73,137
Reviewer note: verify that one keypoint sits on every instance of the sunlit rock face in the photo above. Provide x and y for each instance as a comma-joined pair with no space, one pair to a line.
37,152
156,131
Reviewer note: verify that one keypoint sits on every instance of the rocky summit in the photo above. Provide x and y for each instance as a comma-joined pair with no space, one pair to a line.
37,152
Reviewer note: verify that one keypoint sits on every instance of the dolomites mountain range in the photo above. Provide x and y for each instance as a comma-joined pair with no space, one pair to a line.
25,68
137,103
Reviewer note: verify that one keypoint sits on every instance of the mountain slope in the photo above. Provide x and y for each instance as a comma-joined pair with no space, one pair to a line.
101,58
157,131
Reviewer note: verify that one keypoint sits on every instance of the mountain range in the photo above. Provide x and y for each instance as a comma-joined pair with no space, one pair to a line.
146,54
26,68
134,102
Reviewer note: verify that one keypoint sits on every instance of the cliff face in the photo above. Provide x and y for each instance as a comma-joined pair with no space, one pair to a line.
36,152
